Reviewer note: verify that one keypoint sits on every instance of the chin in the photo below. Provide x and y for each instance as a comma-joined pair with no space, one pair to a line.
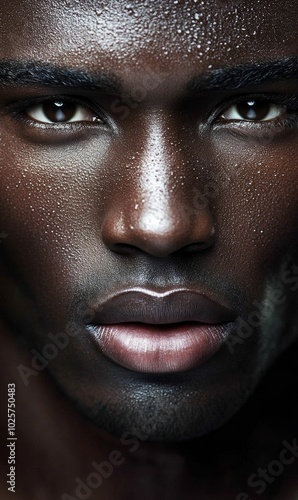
165,414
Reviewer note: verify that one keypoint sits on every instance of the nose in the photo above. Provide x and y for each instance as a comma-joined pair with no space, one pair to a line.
153,211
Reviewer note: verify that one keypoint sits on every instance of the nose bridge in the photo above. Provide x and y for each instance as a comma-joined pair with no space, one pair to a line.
154,213
158,188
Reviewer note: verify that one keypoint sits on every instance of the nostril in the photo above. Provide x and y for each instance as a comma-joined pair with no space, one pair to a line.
124,249
157,231
194,248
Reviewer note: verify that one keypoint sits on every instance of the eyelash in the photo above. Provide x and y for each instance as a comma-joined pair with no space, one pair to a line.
18,111
289,121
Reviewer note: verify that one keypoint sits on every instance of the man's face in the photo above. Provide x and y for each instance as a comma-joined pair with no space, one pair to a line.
156,183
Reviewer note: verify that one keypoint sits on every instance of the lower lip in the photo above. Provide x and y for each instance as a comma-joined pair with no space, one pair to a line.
161,348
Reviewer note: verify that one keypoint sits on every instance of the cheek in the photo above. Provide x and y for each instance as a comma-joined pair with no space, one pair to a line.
258,200
49,195
49,209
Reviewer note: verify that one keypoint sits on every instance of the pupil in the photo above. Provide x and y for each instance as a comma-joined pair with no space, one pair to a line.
59,111
253,110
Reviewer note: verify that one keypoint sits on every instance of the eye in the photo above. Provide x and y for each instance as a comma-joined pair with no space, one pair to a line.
59,111
254,110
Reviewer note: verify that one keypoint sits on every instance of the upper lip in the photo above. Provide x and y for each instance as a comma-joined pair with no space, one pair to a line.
174,305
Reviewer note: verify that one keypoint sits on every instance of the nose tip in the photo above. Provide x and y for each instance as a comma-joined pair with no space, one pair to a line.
153,210
158,235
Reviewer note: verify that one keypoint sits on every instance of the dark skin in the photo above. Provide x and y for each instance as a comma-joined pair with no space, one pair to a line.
155,178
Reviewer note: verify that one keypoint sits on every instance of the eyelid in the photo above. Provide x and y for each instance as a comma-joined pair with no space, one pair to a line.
20,106
229,113
80,114
288,101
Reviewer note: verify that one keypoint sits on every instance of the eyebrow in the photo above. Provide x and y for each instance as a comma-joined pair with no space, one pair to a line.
19,73
22,73
245,75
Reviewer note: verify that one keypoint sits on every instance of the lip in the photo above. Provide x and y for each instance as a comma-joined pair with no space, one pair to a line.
161,332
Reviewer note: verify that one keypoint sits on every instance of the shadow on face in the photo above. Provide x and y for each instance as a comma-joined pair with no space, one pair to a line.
149,200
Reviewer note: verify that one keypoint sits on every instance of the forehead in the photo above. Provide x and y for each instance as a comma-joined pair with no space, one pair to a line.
167,35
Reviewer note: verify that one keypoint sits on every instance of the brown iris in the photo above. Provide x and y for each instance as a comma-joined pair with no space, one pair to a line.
253,110
59,111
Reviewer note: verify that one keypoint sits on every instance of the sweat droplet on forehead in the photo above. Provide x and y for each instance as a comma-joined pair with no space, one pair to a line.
79,34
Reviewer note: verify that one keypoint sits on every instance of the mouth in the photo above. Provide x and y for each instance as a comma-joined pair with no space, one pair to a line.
152,332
